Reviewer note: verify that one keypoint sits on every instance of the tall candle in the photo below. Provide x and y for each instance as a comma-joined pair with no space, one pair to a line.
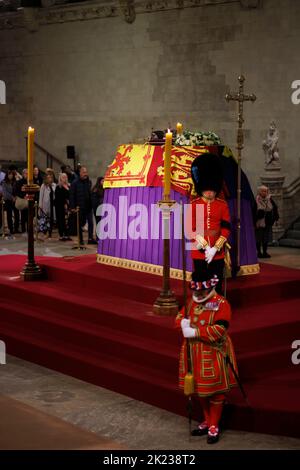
179,128
30,146
167,163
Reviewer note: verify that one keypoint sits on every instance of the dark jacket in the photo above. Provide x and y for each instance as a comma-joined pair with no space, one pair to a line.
62,196
17,191
97,199
80,195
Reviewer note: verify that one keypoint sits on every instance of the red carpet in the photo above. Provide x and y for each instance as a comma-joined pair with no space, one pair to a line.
95,322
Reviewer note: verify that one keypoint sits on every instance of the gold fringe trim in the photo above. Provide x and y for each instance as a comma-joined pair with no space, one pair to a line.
158,270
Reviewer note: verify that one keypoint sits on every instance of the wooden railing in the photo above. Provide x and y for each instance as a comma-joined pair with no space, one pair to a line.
51,160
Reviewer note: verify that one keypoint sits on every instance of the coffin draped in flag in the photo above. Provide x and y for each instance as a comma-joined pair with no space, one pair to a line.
131,229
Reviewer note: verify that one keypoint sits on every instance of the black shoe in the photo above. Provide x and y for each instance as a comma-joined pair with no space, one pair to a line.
92,242
199,432
260,255
266,255
213,435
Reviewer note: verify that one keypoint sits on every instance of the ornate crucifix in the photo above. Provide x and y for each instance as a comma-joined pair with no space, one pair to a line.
240,97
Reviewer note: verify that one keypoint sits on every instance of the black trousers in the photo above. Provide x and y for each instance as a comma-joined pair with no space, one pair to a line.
86,217
207,271
10,210
262,235
61,222
24,219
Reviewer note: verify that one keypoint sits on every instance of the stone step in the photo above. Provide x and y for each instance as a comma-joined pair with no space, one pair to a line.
295,234
290,242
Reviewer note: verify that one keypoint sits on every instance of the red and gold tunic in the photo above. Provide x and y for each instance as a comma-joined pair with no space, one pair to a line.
215,226
209,349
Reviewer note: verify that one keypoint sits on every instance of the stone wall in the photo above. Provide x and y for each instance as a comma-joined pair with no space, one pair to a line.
98,83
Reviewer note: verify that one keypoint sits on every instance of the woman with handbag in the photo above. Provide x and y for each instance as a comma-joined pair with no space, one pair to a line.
21,202
46,206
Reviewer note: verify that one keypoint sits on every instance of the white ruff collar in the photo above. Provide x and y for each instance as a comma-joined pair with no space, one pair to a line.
201,301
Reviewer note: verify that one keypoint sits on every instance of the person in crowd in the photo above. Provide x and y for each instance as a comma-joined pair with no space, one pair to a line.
97,197
9,202
77,171
15,172
62,196
70,173
50,171
37,177
81,196
18,193
266,216
46,205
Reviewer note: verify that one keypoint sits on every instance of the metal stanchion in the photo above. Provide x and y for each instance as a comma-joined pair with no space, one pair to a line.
31,271
36,226
3,220
78,246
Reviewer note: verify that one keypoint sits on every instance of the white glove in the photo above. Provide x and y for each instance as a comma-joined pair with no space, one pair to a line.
185,323
210,253
189,332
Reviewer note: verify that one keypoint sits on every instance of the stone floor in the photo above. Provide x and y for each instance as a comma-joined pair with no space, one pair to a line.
133,424
49,247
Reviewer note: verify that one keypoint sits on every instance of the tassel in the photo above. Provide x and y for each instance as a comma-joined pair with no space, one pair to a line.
189,384
227,260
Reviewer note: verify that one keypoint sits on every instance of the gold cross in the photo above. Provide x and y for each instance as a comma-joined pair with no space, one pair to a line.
240,97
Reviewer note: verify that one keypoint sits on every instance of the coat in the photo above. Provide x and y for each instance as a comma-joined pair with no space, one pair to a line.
216,223
209,349
80,195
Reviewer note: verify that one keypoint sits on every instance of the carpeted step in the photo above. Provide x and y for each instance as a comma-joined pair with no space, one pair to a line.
289,242
250,329
134,382
96,278
85,276
112,373
99,341
272,325
128,316
69,323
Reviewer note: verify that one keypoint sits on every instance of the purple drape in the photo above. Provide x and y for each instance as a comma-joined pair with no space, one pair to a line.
150,250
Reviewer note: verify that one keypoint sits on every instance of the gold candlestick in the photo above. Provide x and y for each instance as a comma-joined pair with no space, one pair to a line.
31,271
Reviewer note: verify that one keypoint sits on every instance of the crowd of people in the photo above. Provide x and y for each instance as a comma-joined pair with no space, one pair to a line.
59,198
61,195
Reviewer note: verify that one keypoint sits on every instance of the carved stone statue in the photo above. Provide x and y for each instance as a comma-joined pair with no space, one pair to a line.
270,147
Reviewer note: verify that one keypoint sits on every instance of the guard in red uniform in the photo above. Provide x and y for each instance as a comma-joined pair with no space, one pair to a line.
212,354
208,255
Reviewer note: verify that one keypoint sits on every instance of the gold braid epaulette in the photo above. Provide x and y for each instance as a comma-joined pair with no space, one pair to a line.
220,243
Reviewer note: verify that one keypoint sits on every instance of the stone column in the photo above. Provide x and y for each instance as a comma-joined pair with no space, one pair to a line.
273,177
